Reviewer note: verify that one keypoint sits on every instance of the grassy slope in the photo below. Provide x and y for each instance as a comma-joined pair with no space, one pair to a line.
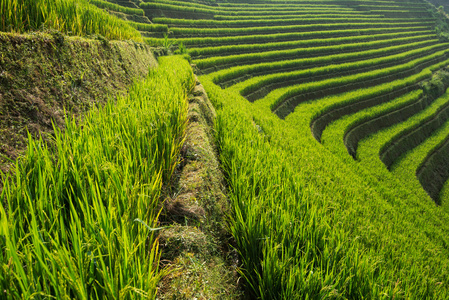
41,75
96,190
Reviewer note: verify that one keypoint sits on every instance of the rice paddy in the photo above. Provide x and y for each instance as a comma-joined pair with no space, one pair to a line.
332,133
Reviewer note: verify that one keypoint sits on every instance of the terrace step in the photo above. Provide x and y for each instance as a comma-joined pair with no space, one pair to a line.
291,55
434,172
414,136
358,132
283,82
288,105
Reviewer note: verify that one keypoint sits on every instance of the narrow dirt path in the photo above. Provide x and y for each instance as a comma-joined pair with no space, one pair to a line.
195,245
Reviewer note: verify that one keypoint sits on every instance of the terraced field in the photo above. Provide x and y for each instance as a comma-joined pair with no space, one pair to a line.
332,127
281,56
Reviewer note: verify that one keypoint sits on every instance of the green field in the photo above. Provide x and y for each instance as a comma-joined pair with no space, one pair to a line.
332,132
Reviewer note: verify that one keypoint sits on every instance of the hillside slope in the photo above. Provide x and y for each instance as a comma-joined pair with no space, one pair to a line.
332,128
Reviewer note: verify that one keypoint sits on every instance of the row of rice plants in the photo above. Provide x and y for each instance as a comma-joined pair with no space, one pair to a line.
392,73
217,32
233,75
75,17
277,22
238,6
256,8
333,137
405,167
269,82
354,127
211,11
333,108
278,37
80,215
400,10
268,5
206,52
384,118
118,8
274,4
396,8
360,14
238,9
220,62
294,231
411,137
343,3
346,104
409,13
421,162
149,27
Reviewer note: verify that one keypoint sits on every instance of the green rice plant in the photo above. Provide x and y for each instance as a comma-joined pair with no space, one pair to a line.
80,215
167,42
118,8
75,17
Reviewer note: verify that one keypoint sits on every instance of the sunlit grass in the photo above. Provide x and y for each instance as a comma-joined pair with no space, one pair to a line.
80,216
74,17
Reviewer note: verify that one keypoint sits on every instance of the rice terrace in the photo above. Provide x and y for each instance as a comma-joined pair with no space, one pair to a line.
224,149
